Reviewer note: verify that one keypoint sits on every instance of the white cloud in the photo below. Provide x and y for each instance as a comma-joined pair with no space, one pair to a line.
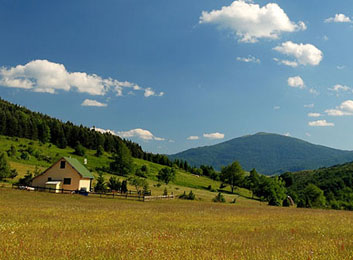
103,131
139,133
193,137
150,92
92,103
251,22
325,38
289,63
340,88
296,82
248,59
276,107
314,114
49,77
320,123
308,134
345,109
304,54
214,136
314,91
309,105
337,112
287,134
341,67
339,18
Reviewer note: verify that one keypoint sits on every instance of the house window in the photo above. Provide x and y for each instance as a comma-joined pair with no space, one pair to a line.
67,181
62,165
49,178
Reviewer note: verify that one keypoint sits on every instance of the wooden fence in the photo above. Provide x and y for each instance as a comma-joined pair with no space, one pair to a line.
127,195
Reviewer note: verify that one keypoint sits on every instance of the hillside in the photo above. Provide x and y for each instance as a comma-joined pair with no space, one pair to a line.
43,155
335,182
268,153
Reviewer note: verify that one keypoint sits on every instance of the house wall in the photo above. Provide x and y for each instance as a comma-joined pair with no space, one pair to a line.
58,174
85,183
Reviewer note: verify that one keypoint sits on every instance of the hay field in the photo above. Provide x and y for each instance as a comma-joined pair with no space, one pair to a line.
37,225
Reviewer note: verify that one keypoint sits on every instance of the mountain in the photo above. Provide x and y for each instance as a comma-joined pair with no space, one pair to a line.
268,153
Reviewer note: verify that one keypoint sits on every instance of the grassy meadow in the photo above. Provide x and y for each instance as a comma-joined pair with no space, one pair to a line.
37,225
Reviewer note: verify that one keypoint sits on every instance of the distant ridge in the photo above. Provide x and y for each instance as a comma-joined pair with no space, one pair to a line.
267,152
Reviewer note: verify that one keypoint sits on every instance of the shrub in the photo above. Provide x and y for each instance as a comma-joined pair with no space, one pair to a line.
26,180
219,198
140,173
24,156
190,196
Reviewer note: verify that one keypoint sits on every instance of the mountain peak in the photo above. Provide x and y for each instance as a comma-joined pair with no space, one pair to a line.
269,153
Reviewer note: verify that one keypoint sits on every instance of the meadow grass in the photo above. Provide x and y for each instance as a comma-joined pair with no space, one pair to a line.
37,225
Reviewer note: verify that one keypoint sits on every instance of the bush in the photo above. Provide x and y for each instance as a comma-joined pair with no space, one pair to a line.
140,173
286,202
190,196
25,156
26,180
166,175
219,198
79,150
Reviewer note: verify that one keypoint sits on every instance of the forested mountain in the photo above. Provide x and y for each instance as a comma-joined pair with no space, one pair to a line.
268,153
18,121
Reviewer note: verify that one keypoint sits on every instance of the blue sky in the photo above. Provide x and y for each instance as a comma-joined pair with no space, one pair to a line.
172,75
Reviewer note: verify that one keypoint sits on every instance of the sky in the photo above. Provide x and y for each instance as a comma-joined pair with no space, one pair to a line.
173,75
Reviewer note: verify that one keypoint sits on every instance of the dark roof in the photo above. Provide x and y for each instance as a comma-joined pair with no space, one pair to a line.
82,170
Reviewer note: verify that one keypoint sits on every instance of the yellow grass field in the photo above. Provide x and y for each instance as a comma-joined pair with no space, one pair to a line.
35,225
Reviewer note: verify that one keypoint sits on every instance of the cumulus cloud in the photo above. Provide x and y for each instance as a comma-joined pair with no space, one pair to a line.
139,133
296,82
314,114
214,136
251,22
338,18
304,54
92,103
345,109
320,123
249,59
50,77
193,137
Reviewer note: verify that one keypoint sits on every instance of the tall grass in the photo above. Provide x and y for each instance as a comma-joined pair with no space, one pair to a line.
53,226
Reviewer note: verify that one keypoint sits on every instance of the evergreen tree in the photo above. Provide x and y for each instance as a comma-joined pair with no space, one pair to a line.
5,171
124,186
100,151
114,183
100,185
122,164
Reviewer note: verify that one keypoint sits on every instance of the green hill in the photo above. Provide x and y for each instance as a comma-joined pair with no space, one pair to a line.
336,184
268,153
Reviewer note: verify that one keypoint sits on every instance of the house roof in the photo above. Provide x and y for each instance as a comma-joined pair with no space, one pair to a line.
82,170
